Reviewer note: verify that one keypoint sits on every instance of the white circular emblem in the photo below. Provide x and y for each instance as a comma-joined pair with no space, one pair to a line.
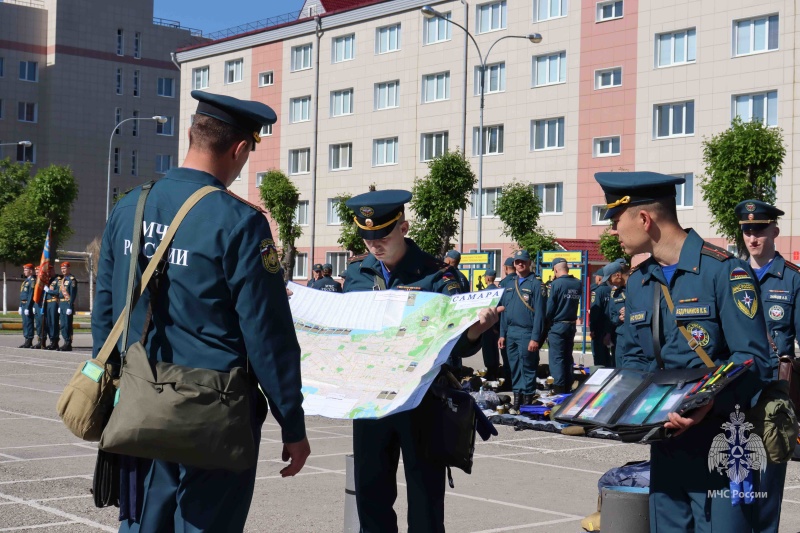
776,312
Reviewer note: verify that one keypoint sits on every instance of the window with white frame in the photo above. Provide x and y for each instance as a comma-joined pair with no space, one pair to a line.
676,48
166,87
337,260
137,45
29,71
135,124
549,69
27,112
134,163
301,213
492,137
266,78
234,71
608,10
551,195
300,270
494,79
387,39
759,107
341,102
333,214
547,134
489,197
549,9
684,192
26,154
491,17
384,151
119,81
437,30
260,178
606,146
433,145
387,94
301,57
116,159
166,128
163,163
299,109
117,120
755,35
609,77
200,78
299,161
136,80
266,130
341,156
344,48
120,42
598,215
436,87
673,120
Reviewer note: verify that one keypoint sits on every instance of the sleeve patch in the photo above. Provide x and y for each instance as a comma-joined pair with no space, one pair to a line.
269,256
746,301
453,287
739,274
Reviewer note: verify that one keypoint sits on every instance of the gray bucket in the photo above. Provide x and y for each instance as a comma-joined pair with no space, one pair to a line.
351,523
625,510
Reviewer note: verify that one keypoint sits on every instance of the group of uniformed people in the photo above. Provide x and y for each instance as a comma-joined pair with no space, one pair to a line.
55,313
323,279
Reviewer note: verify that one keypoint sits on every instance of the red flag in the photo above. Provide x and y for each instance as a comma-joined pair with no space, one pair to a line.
44,271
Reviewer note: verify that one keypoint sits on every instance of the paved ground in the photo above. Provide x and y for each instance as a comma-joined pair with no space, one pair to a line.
522,481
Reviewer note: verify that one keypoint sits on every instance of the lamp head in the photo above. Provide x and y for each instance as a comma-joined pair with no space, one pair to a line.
535,38
160,119
25,144
428,12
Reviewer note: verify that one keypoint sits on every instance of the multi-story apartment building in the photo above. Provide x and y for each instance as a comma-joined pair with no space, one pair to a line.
69,72
368,91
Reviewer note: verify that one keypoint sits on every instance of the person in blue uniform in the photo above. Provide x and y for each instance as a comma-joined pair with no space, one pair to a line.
522,328
453,258
316,275
326,282
489,349
616,275
563,302
26,304
222,304
780,291
715,297
509,275
396,262
38,309
51,294
68,289
598,322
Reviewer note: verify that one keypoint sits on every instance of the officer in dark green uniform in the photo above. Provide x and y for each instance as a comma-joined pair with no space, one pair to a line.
489,349
51,309
395,262
616,276
68,289
509,275
598,322
326,282
566,292
453,258
221,304
26,304
316,275
716,297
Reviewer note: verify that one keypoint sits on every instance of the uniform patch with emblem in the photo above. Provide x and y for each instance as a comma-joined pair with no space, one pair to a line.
367,211
637,316
776,312
454,286
746,301
699,333
269,256
592,300
750,206
739,274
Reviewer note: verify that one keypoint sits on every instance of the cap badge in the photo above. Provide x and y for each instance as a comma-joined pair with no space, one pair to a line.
367,212
750,216
750,206
368,223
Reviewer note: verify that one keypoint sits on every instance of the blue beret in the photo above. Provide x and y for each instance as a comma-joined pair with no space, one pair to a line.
623,189
558,260
317,266
522,254
609,270
244,115
327,266
755,214
453,254
509,262
377,212
491,273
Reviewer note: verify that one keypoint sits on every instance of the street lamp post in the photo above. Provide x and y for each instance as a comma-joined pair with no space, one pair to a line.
24,144
158,118
429,12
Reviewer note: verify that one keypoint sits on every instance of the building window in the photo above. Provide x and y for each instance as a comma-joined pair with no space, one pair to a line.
27,112
547,134
117,120
163,163
116,159
299,109
433,145
266,130
341,156
299,161
119,81
200,78
598,215
137,45
606,146
384,152
301,213
437,30
338,260
134,163
333,214
436,87
260,178
233,71
489,199
342,103
29,71
494,80
300,270
344,48
609,10
551,195
673,120
301,57
676,48
493,137
549,69
549,9
491,17
755,35
166,87
136,77
760,107
26,154
387,94
165,128
684,192
387,39
120,42
2,67
1,108
610,77
266,78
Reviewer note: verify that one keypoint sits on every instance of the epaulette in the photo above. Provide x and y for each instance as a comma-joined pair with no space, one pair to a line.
357,258
792,266
720,254
245,202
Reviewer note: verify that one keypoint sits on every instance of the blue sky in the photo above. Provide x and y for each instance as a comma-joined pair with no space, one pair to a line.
210,16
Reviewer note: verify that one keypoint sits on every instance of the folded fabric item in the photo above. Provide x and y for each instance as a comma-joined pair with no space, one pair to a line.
521,423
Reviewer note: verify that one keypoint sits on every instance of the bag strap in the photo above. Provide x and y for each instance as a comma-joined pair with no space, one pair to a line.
380,283
138,219
516,286
693,344
108,346
656,325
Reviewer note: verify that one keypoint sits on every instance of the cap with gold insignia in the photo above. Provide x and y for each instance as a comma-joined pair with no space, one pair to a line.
327,266
623,189
245,115
377,212
317,267
756,215
522,255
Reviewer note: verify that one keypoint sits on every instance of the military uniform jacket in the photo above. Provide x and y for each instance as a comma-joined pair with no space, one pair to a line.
52,290
564,299
716,299
222,303
505,283
26,293
615,303
68,290
327,284
533,293
598,320
780,293
464,281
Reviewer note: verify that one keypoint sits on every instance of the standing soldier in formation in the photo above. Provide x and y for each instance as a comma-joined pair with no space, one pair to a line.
598,321
522,328
489,349
562,313
453,258
26,304
316,275
617,275
326,282
509,275
38,315
51,292
68,288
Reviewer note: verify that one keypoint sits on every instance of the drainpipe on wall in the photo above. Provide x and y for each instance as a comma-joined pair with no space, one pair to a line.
464,116
174,59
313,209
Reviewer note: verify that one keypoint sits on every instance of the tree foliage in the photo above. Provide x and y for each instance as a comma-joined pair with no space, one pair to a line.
53,191
741,163
349,239
13,179
539,240
611,248
437,199
22,231
519,209
281,198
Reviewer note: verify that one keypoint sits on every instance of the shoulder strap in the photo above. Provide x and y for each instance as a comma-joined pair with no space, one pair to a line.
138,218
655,323
521,299
380,283
693,344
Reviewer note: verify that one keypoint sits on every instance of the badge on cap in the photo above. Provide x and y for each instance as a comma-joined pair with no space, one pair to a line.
369,223
367,211
750,206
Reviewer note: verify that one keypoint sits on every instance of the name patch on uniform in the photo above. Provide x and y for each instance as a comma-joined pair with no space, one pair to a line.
92,371
779,296
692,310
269,256
746,301
637,316
407,288
776,312
738,274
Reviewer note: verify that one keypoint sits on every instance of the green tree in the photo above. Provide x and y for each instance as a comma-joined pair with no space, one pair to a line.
281,197
538,240
519,209
741,163
13,179
611,248
437,199
22,231
52,193
349,239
